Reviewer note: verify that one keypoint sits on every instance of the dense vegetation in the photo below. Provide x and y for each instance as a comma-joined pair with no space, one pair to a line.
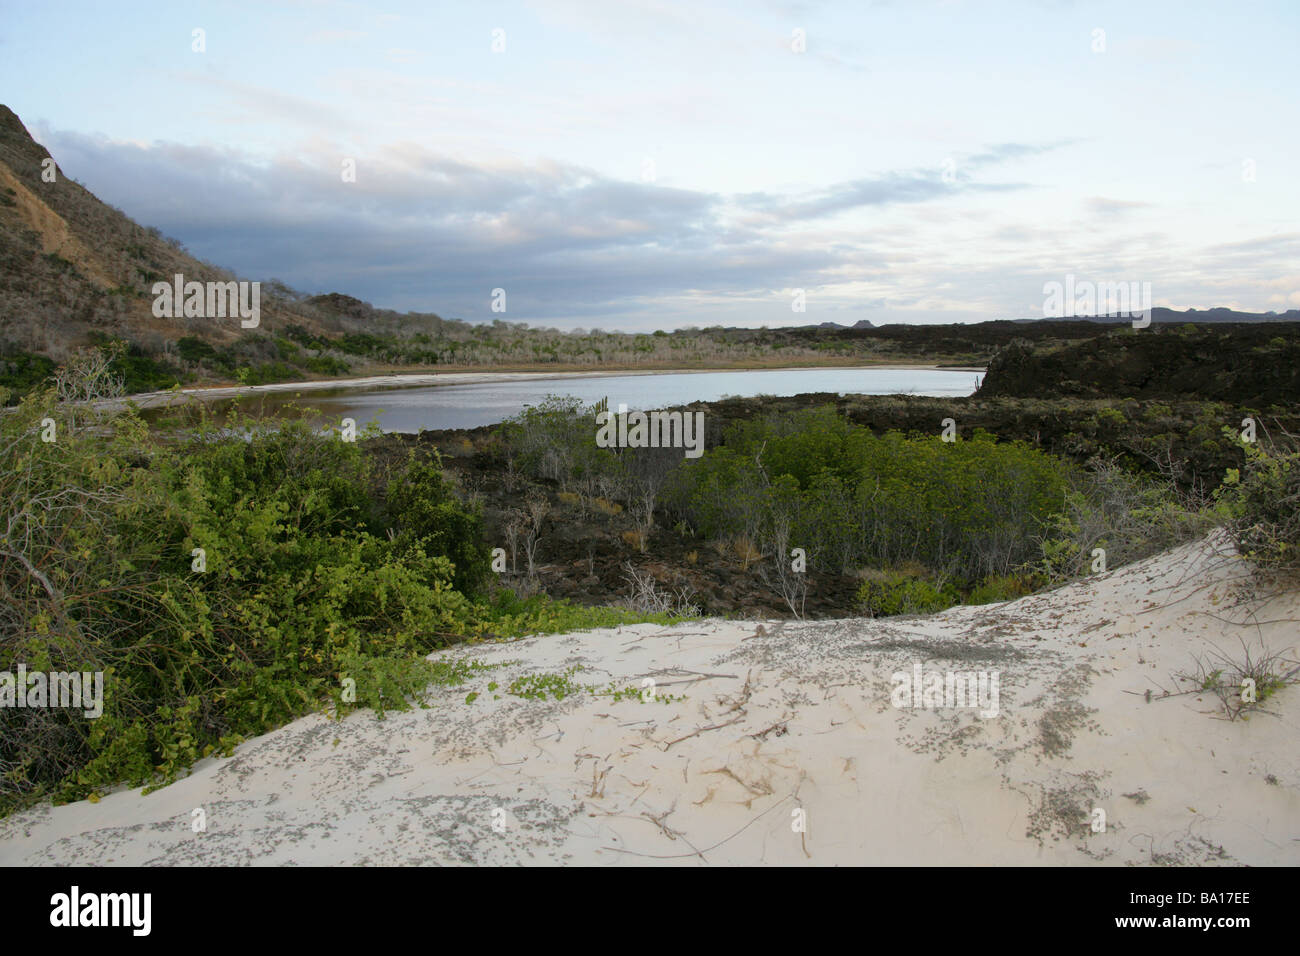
1193,443
1263,500
223,580
922,522
853,499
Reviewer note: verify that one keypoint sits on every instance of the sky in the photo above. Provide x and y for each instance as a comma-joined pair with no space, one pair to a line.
657,164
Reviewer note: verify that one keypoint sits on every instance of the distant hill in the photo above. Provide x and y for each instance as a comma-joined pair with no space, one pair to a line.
1159,316
1165,316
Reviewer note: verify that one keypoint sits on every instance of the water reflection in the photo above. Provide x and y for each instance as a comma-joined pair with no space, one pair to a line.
486,403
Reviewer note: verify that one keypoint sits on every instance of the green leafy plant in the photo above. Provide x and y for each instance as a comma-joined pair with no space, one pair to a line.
1263,502
888,593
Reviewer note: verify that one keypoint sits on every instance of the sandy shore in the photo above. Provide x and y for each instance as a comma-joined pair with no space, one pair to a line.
218,393
753,732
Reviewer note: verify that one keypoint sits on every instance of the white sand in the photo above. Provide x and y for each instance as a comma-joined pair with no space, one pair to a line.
801,719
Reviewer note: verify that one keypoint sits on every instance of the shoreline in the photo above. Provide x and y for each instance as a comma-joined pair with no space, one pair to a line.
170,397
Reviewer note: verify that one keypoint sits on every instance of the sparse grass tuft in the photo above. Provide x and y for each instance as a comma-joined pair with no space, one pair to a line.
1243,683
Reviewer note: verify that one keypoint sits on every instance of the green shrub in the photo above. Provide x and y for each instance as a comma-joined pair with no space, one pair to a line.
1263,500
555,440
506,614
193,349
424,511
362,344
266,373
137,370
20,372
303,337
1003,587
888,593
972,508
302,587
1128,516
286,349
326,365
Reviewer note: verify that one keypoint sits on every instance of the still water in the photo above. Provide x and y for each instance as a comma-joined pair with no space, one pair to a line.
486,403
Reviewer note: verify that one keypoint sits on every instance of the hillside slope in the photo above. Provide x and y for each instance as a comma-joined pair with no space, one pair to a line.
752,724
74,270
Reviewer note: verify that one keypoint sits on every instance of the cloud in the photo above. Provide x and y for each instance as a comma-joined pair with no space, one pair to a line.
1003,152
1284,244
1101,206
909,187
421,230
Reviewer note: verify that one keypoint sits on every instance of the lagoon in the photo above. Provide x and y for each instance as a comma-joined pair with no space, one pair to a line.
487,403
489,399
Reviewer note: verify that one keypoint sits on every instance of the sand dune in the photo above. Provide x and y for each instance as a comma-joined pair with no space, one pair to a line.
751,733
